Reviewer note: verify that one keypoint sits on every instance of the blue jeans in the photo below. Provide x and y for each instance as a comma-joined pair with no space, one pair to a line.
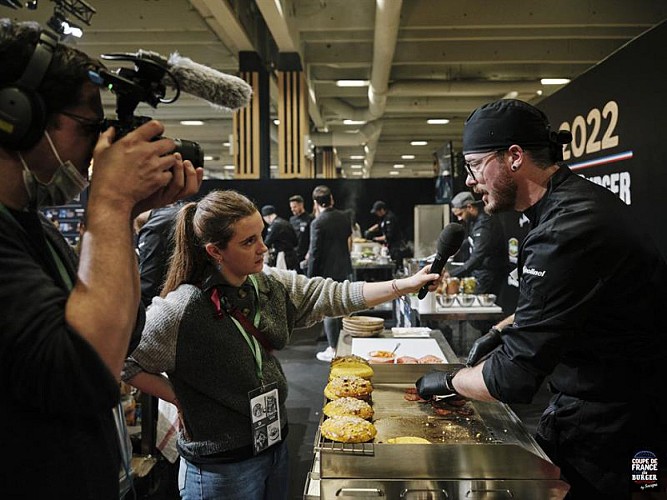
264,477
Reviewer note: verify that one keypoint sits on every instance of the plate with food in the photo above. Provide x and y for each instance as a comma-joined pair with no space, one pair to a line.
423,350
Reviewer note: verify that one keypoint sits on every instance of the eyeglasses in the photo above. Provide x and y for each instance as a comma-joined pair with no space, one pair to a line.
89,125
478,165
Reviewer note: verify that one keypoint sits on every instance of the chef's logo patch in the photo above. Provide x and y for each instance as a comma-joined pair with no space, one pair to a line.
513,247
644,469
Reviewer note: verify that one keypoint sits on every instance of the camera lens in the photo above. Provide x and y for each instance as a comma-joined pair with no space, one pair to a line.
190,150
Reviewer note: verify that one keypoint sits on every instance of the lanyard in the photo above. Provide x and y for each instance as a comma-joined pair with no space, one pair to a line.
237,317
56,257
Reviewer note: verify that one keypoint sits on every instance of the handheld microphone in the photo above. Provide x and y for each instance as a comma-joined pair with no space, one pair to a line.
218,88
449,241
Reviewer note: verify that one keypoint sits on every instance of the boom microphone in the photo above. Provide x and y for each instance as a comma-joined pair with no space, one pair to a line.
218,88
153,72
449,241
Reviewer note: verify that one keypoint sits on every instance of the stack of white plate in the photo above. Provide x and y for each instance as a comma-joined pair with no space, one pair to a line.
363,326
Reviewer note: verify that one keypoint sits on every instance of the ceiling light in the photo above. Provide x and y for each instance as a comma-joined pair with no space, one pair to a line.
356,166
353,122
351,83
229,167
226,144
357,172
208,158
554,81
418,143
399,165
393,172
357,157
274,167
63,26
408,157
192,122
437,121
276,122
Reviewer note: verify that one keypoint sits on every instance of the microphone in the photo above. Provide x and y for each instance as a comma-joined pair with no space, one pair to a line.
220,89
153,72
449,241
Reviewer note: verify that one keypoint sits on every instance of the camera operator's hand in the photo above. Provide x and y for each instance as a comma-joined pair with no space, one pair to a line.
186,181
483,346
137,169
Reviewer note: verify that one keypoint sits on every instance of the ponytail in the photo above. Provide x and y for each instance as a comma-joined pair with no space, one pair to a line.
189,258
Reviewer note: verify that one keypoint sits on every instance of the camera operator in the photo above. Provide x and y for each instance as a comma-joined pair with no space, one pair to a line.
66,331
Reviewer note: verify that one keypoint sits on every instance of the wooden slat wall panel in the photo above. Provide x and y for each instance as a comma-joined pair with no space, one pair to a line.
293,128
246,133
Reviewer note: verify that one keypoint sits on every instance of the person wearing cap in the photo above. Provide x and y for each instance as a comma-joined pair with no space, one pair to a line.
300,221
388,232
488,262
329,255
592,285
280,237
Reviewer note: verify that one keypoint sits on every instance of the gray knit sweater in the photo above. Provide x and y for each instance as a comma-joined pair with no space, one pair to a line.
209,362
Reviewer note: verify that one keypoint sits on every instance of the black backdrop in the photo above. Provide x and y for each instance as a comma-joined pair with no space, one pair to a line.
401,195
617,112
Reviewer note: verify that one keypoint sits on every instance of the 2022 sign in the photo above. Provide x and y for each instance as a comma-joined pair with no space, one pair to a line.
586,132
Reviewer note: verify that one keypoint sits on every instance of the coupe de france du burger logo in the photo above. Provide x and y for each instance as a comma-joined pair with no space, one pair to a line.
645,470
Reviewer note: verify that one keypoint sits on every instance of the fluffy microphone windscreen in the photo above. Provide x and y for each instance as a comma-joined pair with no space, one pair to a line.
218,88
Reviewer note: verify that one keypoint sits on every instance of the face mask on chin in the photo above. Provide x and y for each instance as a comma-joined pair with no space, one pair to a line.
65,185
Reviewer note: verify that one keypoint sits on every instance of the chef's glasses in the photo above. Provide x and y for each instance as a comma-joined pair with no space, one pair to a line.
479,164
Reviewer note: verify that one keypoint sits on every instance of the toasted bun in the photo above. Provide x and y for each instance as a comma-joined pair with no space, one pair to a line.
348,407
347,429
348,386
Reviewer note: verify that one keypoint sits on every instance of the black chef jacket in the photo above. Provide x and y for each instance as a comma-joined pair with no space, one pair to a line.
590,315
301,225
280,237
488,262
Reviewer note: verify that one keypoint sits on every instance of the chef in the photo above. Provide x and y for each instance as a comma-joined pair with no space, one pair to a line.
488,262
589,315
388,232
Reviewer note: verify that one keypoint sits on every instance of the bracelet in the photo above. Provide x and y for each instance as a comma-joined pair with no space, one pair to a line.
397,292
449,380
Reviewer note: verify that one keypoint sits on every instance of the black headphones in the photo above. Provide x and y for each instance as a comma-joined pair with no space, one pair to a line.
22,109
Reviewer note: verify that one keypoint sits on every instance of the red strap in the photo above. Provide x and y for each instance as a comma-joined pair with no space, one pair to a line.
241,318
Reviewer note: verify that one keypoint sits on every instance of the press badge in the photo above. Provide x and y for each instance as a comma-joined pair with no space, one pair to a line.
265,413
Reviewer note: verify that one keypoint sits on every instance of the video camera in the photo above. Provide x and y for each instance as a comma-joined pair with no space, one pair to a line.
143,83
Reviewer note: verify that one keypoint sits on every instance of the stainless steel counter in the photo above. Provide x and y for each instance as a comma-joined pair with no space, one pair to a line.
489,453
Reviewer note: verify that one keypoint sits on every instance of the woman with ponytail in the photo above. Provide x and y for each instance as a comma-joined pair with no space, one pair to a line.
213,331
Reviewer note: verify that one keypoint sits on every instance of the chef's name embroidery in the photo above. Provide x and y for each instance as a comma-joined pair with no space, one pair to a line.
534,272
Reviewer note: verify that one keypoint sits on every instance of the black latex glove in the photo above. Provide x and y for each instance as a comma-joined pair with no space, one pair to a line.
483,346
436,384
